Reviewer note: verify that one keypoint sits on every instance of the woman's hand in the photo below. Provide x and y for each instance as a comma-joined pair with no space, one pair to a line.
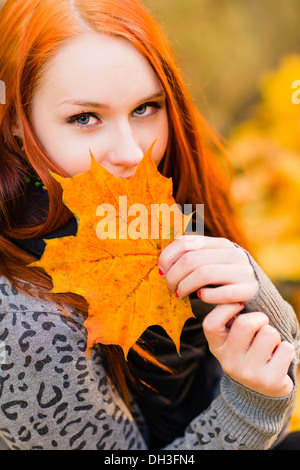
193,262
250,351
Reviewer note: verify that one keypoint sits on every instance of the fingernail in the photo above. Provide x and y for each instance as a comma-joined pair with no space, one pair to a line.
161,273
176,293
199,294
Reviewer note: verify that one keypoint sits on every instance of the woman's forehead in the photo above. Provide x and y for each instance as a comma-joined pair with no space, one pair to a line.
95,67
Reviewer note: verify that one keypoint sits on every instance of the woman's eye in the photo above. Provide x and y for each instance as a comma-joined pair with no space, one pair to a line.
147,109
87,120
141,110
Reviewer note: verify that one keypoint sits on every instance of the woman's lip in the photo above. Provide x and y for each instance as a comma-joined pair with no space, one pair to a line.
126,177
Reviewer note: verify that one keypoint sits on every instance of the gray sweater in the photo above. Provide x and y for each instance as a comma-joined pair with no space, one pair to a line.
52,398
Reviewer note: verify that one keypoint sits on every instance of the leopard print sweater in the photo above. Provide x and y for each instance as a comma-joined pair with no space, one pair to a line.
53,398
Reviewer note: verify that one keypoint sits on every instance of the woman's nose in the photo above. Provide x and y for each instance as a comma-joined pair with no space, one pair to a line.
125,152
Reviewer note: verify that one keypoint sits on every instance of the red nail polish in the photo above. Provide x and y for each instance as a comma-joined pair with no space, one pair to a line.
161,273
176,293
199,294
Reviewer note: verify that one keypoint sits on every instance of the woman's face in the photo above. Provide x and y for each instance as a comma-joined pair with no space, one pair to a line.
99,93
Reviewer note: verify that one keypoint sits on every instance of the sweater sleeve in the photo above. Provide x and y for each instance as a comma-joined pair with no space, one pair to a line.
240,418
52,398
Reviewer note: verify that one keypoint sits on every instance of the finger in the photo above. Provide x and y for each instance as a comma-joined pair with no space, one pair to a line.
243,331
208,242
265,343
218,274
215,324
194,259
187,243
282,357
173,252
278,367
230,293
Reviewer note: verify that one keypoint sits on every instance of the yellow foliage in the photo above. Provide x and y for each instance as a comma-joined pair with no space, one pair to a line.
266,154
280,113
295,421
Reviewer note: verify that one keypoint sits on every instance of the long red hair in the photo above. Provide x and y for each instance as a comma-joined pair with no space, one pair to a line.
31,33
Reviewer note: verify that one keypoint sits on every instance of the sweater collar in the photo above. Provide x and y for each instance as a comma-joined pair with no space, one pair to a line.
36,246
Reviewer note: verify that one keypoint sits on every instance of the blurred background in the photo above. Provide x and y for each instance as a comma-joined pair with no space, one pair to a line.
240,60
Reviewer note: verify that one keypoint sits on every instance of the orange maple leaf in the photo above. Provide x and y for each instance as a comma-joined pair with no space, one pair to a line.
113,265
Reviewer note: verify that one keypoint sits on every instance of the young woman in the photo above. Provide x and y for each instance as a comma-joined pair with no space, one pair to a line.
99,75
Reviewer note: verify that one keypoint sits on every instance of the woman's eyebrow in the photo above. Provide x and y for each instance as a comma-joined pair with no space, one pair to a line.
154,96
93,104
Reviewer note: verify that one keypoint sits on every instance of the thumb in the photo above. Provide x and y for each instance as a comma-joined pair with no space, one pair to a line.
215,323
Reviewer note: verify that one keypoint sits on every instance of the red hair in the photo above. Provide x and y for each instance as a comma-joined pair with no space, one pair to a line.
32,31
